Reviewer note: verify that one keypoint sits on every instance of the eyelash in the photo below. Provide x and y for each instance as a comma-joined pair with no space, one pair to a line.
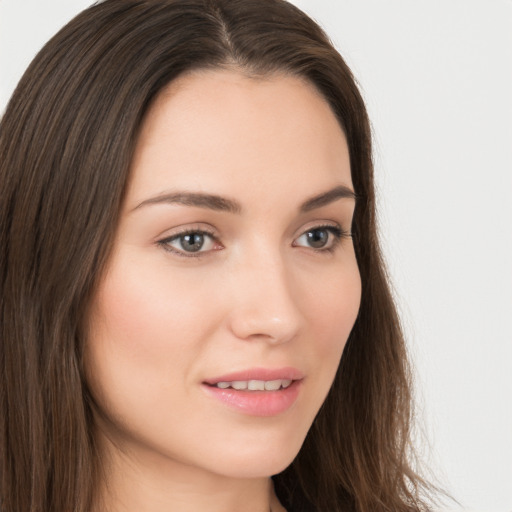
335,230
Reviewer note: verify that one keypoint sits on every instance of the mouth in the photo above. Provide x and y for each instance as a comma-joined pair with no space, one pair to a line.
257,392
254,385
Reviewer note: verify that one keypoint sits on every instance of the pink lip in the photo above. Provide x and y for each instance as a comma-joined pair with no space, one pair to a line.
257,403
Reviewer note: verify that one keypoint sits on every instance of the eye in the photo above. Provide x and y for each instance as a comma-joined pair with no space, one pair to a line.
321,238
189,243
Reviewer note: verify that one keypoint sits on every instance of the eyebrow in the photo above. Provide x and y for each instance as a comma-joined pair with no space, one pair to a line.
224,204
200,200
325,198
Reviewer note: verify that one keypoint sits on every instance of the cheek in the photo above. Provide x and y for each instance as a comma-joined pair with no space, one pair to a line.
144,335
142,310
335,308
331,312
337,313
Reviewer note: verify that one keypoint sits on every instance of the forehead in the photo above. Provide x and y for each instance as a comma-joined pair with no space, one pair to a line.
210,130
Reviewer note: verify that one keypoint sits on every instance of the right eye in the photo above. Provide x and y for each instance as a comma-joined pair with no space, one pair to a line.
189,243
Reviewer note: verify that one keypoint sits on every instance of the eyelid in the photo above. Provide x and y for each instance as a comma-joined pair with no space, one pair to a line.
193,227
310,226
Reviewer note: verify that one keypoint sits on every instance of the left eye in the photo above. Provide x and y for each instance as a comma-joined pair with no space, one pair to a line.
322,238
191,242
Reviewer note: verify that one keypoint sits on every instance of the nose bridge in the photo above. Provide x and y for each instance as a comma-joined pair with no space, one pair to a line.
264,303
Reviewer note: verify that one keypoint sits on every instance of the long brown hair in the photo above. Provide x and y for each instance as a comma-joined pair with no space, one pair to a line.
66,142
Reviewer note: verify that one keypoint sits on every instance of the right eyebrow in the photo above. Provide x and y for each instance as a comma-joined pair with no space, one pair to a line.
200,200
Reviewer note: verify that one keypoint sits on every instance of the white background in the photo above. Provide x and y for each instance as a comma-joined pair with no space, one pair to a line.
437,77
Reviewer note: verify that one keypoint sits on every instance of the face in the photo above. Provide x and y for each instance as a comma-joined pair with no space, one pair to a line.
218,327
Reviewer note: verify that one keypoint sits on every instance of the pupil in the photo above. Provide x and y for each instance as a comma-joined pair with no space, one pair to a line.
318,238
193,242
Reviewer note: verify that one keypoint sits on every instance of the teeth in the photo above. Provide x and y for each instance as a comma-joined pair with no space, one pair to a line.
273,385
256,385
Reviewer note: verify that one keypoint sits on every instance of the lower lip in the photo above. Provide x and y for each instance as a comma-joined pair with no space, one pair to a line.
257,403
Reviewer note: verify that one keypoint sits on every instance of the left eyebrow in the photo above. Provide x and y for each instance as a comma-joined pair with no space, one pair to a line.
325,198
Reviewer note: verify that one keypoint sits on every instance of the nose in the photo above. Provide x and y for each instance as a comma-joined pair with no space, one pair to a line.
265,301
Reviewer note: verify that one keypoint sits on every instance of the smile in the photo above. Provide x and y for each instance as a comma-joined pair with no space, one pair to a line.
256,385
258,391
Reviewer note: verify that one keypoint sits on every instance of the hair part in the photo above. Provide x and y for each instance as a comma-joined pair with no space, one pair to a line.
66,144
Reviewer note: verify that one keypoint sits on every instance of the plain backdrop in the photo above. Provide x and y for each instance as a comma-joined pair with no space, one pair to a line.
437,78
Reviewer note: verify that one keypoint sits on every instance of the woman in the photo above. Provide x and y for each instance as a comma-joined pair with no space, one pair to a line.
193,297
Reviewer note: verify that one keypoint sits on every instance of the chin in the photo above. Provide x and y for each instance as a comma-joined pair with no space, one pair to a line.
258,459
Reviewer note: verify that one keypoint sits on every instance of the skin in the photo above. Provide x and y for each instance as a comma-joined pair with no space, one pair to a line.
256,294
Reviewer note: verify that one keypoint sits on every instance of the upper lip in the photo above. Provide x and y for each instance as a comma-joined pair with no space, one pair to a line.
266,374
